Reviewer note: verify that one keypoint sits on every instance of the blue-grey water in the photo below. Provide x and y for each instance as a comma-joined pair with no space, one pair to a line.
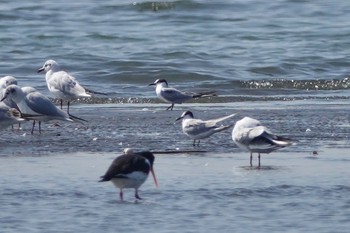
283,62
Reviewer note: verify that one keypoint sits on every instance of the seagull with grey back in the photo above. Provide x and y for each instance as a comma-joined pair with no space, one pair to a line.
63,85
36,106
5,82
249,134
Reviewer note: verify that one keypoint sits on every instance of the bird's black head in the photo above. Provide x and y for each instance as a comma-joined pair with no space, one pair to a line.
147,155
187,113
184,114
159,81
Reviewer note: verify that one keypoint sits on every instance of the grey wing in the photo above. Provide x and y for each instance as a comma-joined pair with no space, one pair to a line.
196,127
41,104
66,84
175,96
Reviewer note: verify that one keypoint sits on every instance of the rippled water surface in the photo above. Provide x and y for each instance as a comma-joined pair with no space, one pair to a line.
283,62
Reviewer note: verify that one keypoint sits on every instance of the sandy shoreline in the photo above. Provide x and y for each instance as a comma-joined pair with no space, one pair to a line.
112,127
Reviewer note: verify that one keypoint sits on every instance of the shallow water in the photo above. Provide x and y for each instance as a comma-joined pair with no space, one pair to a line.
293,192
283,62
237,48
49,181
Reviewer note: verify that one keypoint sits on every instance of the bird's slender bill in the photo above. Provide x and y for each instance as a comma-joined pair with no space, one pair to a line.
154,177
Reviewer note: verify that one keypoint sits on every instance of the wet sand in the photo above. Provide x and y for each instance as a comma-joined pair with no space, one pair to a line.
113,127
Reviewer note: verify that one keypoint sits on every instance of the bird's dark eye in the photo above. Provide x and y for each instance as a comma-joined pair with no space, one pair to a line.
12,90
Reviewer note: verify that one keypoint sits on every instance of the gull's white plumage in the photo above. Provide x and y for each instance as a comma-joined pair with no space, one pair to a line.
34,105
5,82
61,84
249,134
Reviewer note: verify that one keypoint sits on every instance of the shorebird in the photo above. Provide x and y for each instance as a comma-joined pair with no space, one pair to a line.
174,96
130,170
249,134
9,116
5,82
63,85
198,129
36,106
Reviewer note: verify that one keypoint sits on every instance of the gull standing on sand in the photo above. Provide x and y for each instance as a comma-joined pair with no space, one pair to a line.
9,116
130,170
36,106
199,129
174,96
249,134
61,84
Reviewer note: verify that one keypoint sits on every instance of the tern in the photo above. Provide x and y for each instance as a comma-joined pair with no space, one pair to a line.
199,129
174,96
249,134
130,170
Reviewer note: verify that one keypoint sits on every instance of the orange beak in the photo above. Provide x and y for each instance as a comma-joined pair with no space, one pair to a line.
154,177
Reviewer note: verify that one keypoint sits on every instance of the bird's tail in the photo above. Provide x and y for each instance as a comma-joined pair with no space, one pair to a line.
205,94
30,116
283,142
223,127
94,92
225,117
77,119
103,179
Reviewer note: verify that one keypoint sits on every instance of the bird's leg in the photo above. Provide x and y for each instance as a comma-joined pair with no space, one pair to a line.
170,107
68,107
39,127
194,142
251,159
121,195
61,103
137,195
259,160
33,127
198,142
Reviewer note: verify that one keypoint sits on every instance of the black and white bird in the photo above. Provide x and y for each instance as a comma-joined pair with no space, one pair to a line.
249,134
174,96
130,170
198,129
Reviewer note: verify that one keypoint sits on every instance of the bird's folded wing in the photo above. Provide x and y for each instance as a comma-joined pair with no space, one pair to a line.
197,126
39,104
174,95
